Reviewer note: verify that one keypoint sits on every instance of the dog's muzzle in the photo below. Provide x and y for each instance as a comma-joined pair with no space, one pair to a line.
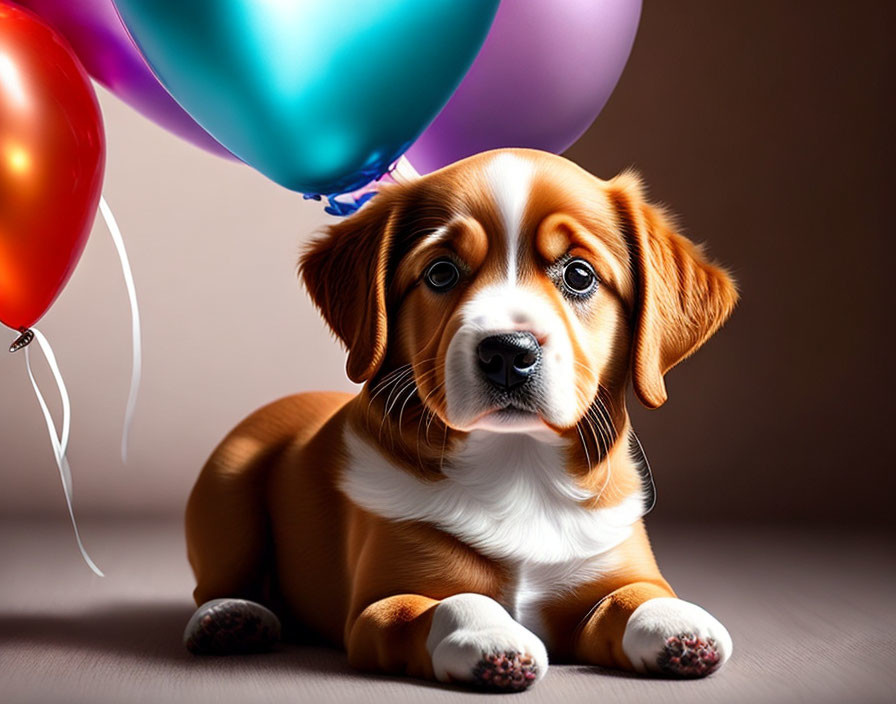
509,360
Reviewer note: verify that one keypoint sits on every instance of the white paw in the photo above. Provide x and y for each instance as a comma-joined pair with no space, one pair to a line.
675,637
475,641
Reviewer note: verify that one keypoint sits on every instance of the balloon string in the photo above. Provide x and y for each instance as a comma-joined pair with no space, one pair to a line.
63,391
136,336
404,171
60,443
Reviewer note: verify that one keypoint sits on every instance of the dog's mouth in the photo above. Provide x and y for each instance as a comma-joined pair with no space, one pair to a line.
521,400
509,420
511,413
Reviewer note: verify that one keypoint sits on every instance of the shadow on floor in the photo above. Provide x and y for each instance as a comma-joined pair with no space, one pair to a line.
153,631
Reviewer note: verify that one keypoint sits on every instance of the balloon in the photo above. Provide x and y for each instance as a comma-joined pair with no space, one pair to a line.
103,45
52,154
321,96
542,76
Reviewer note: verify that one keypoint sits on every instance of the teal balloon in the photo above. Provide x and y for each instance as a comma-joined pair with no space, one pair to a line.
319,95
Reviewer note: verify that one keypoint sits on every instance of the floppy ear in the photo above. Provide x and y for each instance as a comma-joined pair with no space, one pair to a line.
681,298
345,274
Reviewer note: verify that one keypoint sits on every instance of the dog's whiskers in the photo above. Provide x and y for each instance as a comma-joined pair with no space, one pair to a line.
392,386
416,388
432,415
387,378
404,386
426,411
592,377
589,421
603,431
612,433
584,446
391,378
407,382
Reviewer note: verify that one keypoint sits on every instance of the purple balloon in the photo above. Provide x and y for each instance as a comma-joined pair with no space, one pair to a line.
544,73
107,51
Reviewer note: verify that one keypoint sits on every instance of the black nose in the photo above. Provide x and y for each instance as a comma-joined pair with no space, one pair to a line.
508,360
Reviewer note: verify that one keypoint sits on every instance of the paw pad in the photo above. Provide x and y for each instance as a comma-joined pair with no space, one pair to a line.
231,626
686,655
506,672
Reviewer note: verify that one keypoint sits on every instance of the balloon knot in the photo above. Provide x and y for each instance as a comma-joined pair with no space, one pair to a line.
342,204
343,208
22,340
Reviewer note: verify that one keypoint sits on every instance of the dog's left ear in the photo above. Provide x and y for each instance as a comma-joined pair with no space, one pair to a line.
681,298
345,274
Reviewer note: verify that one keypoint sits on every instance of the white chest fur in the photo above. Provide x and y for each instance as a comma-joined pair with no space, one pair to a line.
509,497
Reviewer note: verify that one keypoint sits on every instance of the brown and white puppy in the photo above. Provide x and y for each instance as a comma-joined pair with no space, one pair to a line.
479,503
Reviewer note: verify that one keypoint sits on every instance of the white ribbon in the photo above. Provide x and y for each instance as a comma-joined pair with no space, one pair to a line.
404,171
136,343
59,442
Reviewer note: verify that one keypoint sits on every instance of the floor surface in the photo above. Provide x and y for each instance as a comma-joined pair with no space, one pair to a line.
812,614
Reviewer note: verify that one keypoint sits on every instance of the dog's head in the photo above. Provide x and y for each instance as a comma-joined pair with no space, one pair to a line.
509,289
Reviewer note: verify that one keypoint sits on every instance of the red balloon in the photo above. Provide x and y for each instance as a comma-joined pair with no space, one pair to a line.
52,155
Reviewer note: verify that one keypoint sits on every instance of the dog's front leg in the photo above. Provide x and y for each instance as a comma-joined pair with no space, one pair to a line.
466,638
390,636
643,627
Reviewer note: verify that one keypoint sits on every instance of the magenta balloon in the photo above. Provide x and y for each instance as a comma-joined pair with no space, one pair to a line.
106,50
544,73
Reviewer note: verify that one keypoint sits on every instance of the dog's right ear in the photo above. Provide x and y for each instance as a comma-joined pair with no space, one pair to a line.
345,274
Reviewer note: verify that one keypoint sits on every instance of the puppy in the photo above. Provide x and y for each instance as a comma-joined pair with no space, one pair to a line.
479,504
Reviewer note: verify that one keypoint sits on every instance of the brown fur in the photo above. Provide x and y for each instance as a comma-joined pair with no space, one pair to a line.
266,519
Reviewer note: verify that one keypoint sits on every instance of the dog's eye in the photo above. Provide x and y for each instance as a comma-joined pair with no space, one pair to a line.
442,275
579,278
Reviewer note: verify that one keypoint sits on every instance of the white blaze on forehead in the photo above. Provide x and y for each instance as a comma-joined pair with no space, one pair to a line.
510,179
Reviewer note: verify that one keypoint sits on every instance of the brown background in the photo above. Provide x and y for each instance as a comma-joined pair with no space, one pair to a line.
768,126
765,125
